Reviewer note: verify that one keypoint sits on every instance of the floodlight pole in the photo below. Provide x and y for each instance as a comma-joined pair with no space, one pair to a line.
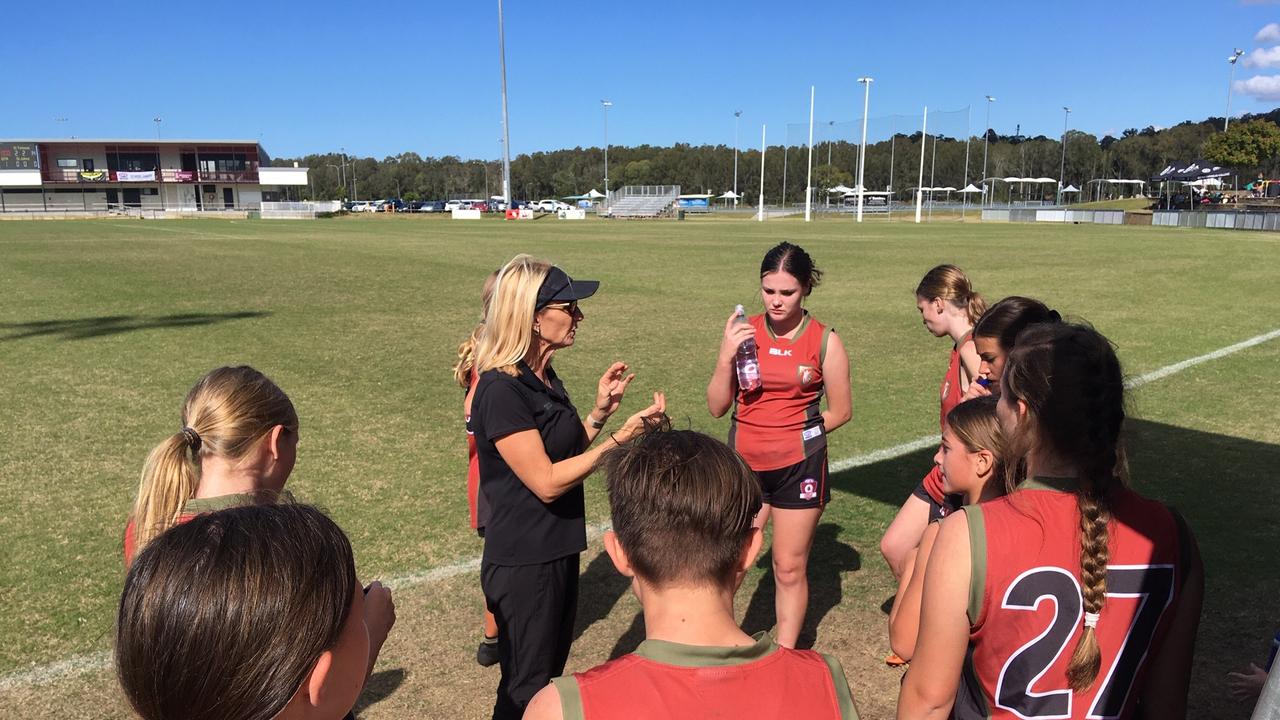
737,114
1226,120
760,209
605,105
157,121
785,147
506,135
985,133
862,149
1062,166
808,185
924,140
968,135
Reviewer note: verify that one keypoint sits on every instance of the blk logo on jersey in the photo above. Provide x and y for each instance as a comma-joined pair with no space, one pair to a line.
780,352
808,489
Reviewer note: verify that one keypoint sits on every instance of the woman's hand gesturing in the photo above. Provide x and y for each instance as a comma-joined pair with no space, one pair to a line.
613,385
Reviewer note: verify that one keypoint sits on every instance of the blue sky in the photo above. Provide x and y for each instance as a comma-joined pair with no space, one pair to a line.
387,77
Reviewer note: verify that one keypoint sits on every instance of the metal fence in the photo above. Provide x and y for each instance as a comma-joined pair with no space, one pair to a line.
1159,218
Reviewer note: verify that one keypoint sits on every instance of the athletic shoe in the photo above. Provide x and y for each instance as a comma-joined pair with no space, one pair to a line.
892,660
487,653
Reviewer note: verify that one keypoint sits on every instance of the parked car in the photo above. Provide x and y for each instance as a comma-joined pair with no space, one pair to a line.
550,205
432,206
362,206
388,205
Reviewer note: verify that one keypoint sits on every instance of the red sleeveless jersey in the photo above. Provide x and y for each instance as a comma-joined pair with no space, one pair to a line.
667,680
1026,608
473,464
781,424
950,392
951,389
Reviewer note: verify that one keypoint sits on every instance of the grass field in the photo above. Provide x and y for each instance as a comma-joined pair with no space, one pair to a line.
107,323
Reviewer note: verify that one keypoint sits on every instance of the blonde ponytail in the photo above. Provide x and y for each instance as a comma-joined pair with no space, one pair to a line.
228,412
466,365
169,479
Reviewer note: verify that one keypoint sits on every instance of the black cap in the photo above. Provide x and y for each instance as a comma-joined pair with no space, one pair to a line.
560,288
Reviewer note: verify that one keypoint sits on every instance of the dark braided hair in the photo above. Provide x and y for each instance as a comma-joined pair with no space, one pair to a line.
1070,380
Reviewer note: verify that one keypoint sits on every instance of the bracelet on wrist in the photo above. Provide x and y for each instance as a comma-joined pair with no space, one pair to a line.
615,440
597,424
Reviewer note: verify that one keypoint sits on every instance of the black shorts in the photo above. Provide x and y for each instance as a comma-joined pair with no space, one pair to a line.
798,487
938,510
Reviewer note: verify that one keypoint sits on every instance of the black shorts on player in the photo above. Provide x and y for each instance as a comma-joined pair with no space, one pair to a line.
800,486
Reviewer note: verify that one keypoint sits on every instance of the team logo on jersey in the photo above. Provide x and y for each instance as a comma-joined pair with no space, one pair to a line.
780,352
808,489
807,373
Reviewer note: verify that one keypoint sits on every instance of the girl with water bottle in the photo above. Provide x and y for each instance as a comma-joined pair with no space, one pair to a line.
778,425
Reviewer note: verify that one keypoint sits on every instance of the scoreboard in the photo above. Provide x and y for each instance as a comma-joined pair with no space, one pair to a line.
19,156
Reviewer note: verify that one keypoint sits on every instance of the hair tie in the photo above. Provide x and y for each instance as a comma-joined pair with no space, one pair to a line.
192,438
1091,620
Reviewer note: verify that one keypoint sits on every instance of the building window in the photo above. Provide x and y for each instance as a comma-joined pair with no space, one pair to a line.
67,163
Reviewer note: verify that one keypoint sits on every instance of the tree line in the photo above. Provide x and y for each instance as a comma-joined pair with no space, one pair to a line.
1252,146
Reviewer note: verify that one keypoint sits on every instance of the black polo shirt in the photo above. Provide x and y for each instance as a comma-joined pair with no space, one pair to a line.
521,529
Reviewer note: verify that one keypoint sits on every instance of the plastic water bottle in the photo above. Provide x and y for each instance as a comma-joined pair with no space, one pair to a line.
984,382
747,362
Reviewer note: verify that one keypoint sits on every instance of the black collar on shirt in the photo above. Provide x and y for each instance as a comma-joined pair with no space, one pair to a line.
552,386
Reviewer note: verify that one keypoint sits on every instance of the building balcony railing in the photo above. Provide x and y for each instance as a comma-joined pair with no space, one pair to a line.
166,175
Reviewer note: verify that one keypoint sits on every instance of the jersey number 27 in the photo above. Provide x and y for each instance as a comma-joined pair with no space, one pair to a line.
1151,585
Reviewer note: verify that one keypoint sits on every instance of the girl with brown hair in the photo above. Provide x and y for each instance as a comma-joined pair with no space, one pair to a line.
969,459
949,307
250,613
1073,596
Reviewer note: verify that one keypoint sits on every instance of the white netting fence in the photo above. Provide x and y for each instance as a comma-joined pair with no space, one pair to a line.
896,146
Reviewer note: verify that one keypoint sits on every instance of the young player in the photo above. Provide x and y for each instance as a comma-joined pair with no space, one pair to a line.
463,373
1073,596
780,429
250,612
995,334
948,307
969,459
682,506
236,446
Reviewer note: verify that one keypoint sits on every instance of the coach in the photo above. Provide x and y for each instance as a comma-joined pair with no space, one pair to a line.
533,452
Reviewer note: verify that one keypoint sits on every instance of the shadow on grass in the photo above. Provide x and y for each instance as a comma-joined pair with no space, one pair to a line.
1222,486
87,328
380,687
828,561
599,589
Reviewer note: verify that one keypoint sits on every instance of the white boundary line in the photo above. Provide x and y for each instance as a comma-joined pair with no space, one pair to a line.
91,662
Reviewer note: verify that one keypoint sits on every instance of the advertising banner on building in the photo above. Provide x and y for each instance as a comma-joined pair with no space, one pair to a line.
136,176
93,175
184,175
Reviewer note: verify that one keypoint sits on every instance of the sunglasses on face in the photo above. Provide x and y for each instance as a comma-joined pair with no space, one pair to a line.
569,307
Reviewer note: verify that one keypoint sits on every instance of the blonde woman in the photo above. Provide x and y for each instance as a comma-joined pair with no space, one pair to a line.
535,451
